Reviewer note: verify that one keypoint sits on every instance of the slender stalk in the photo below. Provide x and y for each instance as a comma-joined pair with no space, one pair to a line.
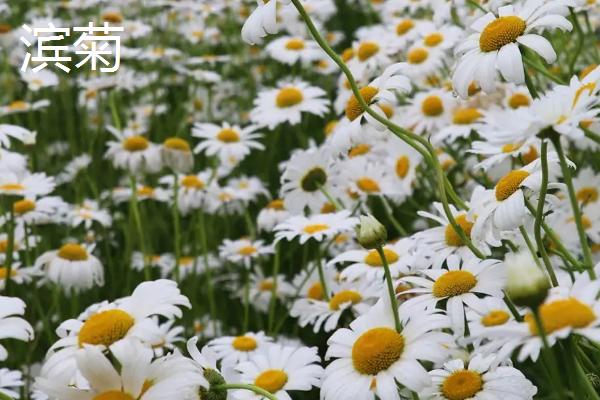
542,70
322,273
113,109
273,301
390,288
530,245
390,216
530,86
5,397
539,215
580,38
10,248
246,299
587,254
592,135
252,388
548,354
177,226
209,284
134,206
331,199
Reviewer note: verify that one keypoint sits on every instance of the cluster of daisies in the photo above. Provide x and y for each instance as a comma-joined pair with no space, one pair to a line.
304,199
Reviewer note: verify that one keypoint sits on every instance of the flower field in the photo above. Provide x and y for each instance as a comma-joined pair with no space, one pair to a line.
299,199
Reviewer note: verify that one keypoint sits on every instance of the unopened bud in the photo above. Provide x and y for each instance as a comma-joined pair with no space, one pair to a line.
370,232
526,284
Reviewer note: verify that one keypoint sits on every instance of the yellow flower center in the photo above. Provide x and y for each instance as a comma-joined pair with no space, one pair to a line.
23,206
145,191
288,97
330,127
244,343
584,72
465,116
387,109
417,55
276,204
314,228
113,395
347,54
432,106
376,350
500,32
509,148
73,252
228,135
315,292
368,185
587,194
295,44
454,283
373,259
494,318
247,250
433,39
18,105
462,385
560,314
4,272
359,150
3,246
112,16
179,144
452,237
518,100
328,208
509,184
5,28
345,296
402,166
271,380
353,108
266,286
192,182
12,187
135,143
404,26
367,50
105,328
530,156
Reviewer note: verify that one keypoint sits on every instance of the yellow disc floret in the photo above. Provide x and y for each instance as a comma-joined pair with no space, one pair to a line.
135,143
271,380
73,252
563,313
494,318
244,343
461,385
23,206
176,143
454,283
367,50
452,237
105,328
500,32
510,183
432,106
373,259
345,296
376,350
289,97
353,108
113,395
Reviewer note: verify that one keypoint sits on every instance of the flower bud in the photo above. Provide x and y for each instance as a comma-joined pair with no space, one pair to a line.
526,285
370,232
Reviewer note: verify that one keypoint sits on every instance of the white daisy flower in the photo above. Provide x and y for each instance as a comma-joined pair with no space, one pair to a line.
291,49
261,290
72,267
16,132
243,251
458,284
495,44
134,153
29,185
192,189
44,210
280,369
177,154
20,106
372,358
287,102
11,382
318,227
478,381
271,215
230,143
261,22
232,350
430,111
87,213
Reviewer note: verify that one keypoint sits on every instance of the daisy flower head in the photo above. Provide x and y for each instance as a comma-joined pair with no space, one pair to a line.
430,111
243,251
307,175
494,47
271,215
458,284
368,264
28,185
18,274
489,312
21,106
177,154
88,212
138,376
134,153
465,120
370,54
371,357
422,62
41,211
108,323
356,296
292,49
262,287
261,22
232,350
477,380
365,178
280,369
15,132
192,189
72,267
587,186
287,102
495,154
142,193
230,143
10,382
318,226
12,325
380,90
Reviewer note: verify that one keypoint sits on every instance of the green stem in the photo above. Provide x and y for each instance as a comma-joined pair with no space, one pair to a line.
177,225
592,135
138,224
331,199
252,388
530,86
246,299
542,70
587,254
530,245
539,215
273,301
209,283
10,248
548,354
390,288
580,38
390,216
113,109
